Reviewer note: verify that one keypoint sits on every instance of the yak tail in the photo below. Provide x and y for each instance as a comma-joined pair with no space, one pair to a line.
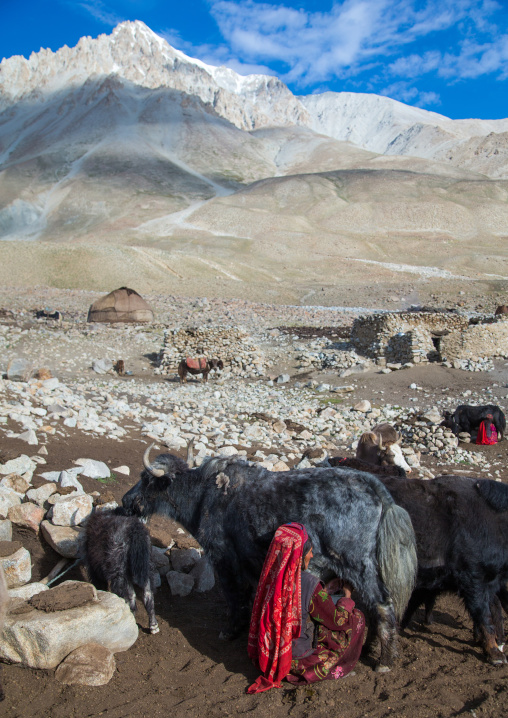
396,548
139,556
494,493
396,555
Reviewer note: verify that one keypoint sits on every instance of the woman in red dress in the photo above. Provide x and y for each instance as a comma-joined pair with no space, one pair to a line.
297,632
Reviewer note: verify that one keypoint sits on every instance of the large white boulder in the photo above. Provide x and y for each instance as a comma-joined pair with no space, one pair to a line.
72,510
41,495
94,469
22,465
42,639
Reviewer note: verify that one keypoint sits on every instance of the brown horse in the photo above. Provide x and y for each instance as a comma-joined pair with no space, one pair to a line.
201,365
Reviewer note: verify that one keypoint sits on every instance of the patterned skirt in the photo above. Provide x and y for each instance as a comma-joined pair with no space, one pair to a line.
335,656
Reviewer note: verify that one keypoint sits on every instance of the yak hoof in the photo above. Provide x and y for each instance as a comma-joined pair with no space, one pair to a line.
498,660
154,629
382,669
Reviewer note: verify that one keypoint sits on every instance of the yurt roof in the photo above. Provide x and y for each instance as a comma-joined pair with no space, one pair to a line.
121,305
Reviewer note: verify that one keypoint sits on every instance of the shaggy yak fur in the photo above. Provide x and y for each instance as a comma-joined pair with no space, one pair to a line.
4,599
467,418
116,550
183,369
461,528
233,508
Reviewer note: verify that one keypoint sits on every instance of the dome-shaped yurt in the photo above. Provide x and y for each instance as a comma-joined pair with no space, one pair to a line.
121,305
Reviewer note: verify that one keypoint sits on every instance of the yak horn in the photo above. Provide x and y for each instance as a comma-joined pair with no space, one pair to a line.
148,466
190,453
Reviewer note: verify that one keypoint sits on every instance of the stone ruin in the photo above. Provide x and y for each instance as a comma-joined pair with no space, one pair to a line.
428,336
231,344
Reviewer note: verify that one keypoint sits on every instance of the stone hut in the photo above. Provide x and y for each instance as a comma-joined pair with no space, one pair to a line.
424,336
231,344
121,305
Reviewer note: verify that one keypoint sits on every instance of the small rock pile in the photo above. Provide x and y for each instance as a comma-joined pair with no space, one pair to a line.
325,354
240,355
479,364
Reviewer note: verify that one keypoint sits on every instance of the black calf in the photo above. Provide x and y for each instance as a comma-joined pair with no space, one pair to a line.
116,551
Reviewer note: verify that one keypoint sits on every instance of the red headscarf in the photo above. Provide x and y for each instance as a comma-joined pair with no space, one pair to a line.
277,612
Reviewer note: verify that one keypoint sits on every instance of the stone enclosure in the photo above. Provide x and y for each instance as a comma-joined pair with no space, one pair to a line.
231,344
426,336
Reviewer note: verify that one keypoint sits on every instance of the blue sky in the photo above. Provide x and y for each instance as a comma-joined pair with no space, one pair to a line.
450,56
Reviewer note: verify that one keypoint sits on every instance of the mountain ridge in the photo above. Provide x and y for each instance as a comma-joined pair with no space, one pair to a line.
125,144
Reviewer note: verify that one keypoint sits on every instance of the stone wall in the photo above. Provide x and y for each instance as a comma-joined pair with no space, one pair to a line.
485,339
429,336
231,344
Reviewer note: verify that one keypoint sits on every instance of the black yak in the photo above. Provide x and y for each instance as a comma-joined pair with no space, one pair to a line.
116,551
461,528
467,418
233,508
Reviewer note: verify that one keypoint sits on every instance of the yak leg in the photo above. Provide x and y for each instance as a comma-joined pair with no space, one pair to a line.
125,589
478,603
387,631
382,631
502,595
237,598
149,606
496,613
419,596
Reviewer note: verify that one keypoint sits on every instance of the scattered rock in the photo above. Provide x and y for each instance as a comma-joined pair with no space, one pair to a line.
72,510
19,369
5,530
181,584
17,564
41,495
62,539
203,575
184,559
8,499
16,483
94,469
88,665
363,406
27,515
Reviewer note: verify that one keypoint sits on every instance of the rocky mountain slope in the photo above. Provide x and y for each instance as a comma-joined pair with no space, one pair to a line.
193,172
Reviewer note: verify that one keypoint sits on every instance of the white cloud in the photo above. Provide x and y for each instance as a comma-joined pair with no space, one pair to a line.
355,36
100,12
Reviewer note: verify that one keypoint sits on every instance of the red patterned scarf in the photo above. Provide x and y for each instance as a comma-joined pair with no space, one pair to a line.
277,612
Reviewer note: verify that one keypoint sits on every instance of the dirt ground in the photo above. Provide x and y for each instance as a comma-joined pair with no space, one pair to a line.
185,670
